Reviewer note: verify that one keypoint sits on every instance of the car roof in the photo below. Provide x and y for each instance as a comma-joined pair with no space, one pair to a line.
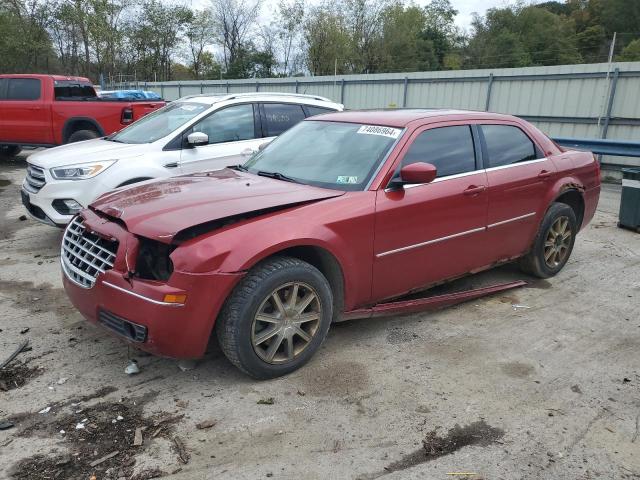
38,75
402,117
258,96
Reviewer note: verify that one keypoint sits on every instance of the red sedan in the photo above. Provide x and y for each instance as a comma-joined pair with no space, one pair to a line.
340,215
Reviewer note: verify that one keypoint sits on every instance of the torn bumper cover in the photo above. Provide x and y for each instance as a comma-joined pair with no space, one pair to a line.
170,329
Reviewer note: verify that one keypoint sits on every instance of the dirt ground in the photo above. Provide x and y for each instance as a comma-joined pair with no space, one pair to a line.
549,388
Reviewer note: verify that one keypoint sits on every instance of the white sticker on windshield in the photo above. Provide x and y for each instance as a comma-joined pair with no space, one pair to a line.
378,130
347,179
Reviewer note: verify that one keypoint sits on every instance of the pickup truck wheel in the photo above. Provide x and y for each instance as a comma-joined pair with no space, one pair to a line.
81,135
553,244
9,151
276,318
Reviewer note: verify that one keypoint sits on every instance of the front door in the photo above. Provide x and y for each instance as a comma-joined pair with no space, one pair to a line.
24,118
233,138
430,232
519,177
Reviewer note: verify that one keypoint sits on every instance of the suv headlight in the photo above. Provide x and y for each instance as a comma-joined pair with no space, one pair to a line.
81,171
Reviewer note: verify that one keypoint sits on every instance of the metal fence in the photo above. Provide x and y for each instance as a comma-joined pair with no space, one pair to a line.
595,101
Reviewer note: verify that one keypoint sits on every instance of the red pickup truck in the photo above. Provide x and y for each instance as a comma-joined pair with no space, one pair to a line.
49,110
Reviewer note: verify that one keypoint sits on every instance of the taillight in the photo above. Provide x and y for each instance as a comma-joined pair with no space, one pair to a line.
127,115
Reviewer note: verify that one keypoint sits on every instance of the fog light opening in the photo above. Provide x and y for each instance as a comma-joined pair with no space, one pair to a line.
66,206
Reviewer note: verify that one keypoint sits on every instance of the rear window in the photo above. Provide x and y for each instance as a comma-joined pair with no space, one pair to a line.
507,144
21,89
281,117
318,110
65,90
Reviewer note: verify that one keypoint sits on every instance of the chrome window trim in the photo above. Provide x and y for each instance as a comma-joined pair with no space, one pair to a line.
517,164
429,242
142,297
514,219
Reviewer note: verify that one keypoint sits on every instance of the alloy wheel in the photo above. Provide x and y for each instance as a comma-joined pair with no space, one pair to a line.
557,242
286,322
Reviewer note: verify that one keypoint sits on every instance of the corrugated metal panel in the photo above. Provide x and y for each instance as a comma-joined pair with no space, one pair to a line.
566,100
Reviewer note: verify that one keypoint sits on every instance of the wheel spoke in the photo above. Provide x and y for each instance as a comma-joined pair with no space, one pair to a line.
548,253
294,296
289,347
548,243
267,318
301,333
266,335
278,302
304,303
566,235
273,348
306,317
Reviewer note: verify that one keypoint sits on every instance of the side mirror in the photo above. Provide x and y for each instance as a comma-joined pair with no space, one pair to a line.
419,172
197,139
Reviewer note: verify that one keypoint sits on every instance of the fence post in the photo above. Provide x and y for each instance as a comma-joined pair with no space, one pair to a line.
297,83
612,95
342,91
489,87
179,90
162,90
201,87
257,86
404,93
227,87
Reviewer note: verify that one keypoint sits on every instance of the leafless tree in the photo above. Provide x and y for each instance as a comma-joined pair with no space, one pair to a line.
234,21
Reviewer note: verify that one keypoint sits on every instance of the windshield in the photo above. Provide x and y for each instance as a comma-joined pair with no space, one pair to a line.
341,156
160,123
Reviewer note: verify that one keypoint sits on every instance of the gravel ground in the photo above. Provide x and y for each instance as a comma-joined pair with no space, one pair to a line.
548,391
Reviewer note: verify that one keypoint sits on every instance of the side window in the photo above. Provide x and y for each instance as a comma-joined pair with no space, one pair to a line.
281,117
450,149
317,110
23,89
230,124
3,88
507,144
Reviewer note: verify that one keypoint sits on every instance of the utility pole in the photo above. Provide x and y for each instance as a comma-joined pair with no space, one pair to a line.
612,48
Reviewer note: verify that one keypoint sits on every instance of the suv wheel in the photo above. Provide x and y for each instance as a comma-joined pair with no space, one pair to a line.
553,244
276,318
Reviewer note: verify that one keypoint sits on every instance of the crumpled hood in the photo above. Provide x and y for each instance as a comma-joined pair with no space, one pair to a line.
83,152
160,209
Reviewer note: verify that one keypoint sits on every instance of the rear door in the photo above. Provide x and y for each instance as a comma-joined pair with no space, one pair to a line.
519,176
430,232
24,115
279,117
234,134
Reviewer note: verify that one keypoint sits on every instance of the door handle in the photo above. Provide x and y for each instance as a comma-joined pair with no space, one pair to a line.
474,190
544,174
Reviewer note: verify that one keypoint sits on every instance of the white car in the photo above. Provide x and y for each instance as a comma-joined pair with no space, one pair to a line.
192,134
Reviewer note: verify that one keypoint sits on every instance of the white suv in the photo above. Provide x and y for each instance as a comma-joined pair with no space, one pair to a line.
195,133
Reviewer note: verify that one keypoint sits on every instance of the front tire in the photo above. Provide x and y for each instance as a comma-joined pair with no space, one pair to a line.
553,244
276,318
82,135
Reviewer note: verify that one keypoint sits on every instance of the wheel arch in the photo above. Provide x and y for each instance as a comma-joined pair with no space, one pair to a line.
571,194
80,123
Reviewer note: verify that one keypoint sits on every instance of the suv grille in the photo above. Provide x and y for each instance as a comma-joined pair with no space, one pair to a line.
85,255
35,179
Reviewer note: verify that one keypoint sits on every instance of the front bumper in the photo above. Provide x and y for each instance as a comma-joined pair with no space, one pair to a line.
165,329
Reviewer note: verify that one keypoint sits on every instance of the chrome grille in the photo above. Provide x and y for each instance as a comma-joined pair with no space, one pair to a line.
85,255
35,179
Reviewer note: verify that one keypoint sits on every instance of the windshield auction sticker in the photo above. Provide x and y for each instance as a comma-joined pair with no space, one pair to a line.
378,130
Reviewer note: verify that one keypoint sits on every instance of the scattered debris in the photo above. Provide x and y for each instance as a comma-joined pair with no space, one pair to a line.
206,424
45,410
462,474
576,389
16,352
22,218
24,330
137,437
301,393
182,403
182,451
80,426
132,368
148,474
6,425
104,459
62,381
518,307
186,365
266,401
626,380
16,375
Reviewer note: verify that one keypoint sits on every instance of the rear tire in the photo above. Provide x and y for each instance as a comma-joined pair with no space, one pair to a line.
553,244
9,151
82,135
276,317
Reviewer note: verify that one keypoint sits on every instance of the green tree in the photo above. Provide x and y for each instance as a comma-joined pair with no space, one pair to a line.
327,40
630,53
